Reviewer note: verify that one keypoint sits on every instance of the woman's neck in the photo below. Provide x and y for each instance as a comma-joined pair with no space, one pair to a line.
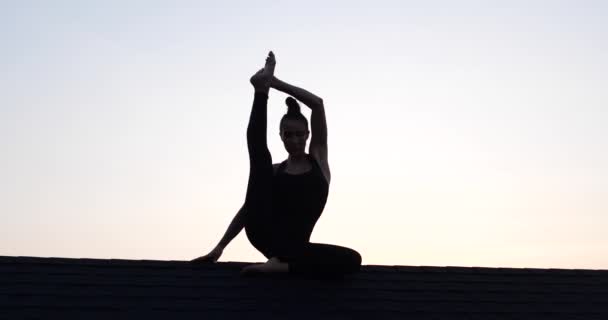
297,159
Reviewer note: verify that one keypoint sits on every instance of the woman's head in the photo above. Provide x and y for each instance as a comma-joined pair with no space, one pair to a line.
294,128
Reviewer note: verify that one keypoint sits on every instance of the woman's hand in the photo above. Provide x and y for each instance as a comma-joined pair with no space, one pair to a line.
211,257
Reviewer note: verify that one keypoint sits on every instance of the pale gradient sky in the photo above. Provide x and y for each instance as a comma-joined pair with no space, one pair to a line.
463,133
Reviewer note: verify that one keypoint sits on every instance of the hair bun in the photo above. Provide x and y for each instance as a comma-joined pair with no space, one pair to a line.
293,107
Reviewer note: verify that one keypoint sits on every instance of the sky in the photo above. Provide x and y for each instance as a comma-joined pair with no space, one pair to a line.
460,133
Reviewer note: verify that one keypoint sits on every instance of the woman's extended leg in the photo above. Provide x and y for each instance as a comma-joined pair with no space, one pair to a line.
258,201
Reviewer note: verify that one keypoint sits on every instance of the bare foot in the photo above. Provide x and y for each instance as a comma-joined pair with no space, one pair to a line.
262,79
273,265
271,62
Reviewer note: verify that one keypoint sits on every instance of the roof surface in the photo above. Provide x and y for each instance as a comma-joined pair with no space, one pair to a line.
32,287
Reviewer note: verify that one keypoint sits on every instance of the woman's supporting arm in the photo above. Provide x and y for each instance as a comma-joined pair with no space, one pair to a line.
235,227
237,224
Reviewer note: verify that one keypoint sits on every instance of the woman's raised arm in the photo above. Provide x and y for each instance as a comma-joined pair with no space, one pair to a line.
309,99
318,122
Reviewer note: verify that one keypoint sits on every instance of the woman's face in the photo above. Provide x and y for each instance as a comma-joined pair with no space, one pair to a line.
294,134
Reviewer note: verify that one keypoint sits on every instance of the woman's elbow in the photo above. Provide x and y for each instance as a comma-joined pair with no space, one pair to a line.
317,103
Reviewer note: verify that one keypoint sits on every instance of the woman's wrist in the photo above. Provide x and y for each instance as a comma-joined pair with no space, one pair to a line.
277,84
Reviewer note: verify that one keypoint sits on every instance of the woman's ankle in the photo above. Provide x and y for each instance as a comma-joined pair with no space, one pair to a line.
262,89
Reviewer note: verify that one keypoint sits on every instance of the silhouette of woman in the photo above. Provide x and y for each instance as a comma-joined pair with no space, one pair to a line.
285,200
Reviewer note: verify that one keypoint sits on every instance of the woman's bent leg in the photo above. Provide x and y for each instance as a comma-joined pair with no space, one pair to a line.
258,202
318,259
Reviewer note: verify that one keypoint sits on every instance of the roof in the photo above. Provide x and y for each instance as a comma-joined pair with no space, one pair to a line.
32,287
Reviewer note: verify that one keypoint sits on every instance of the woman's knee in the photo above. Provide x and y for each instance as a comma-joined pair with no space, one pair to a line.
354,260
350,259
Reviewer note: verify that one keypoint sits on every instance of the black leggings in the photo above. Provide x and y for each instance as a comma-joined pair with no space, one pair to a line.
263,231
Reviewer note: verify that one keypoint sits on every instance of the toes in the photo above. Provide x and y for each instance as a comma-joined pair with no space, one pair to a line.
270,59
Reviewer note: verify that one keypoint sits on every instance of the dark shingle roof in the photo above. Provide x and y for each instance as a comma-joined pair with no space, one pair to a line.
33,287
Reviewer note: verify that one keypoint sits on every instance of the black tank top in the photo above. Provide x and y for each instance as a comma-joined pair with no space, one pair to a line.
299,200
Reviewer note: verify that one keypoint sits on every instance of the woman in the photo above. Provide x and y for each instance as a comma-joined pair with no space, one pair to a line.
285,200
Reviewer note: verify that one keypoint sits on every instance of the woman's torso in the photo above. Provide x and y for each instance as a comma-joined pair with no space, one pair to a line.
299,199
